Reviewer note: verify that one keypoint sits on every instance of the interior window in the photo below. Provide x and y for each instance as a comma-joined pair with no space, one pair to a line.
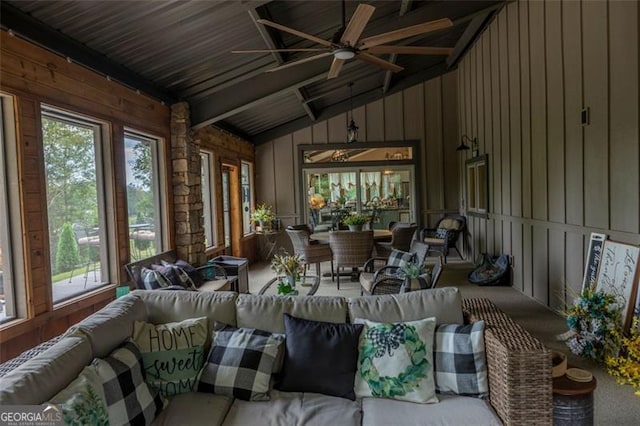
246,177
208,199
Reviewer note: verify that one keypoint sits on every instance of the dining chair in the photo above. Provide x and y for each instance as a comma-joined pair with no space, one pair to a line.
350,249
445,235
401,236
309,250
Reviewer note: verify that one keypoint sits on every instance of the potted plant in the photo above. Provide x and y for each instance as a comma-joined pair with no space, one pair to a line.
355,221
262,214
288,267
415,277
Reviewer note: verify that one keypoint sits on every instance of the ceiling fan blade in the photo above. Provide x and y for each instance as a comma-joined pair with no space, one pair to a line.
294,32
405,33
300,61
357,23
336,66
379,62
320,49
410,50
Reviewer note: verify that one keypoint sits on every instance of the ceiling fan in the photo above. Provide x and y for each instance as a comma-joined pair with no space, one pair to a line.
348,45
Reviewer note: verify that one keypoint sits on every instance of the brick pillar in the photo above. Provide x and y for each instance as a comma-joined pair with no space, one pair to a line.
187,189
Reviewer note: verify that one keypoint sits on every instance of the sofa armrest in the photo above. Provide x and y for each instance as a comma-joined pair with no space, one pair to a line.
519,367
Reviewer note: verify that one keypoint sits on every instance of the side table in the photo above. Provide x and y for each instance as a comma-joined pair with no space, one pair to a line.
573,402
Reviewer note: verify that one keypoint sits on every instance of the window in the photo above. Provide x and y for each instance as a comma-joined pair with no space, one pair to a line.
477,186
208,208
73,163
10,235
144,194
246,177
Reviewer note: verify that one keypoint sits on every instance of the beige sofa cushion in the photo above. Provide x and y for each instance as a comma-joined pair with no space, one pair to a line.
46,374
451,410
267,312
295,408
111,325
165,306
443,303
194,409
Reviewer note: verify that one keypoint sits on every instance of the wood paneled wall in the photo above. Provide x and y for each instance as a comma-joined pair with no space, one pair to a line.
426,112
35,76
554,181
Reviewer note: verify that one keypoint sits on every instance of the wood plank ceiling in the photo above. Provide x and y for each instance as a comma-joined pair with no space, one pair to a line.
181,50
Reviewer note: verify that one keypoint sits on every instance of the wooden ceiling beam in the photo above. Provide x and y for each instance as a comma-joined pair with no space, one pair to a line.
404,8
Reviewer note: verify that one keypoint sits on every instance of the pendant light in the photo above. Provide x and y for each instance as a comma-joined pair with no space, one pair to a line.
352,129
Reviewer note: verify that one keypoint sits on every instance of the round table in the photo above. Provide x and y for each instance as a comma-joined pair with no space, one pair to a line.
573,402
307,286
378,235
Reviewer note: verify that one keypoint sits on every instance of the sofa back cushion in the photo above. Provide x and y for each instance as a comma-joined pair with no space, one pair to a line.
443,303
166,306
267,312
46,374
111,325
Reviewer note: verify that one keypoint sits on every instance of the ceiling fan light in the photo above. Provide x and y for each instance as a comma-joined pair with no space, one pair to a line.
344,53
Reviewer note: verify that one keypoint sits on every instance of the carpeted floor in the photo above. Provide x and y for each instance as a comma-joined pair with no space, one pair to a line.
614,404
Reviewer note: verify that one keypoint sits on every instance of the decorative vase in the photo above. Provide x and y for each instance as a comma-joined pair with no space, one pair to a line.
291,279
355,227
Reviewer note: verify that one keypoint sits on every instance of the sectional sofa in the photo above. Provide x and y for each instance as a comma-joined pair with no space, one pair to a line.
519,366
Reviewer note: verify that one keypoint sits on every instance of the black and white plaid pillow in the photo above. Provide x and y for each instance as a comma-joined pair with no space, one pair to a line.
400,258
130,401
240,363
460,361
153,280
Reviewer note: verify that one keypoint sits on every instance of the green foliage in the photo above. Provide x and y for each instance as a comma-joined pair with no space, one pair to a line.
67,250
411,270
356,219
85,408
262,213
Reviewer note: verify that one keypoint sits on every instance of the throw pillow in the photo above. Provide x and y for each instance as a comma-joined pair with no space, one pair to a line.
130,401
320,357
240,363
152,280
192,272
396,361
423,282
172,353
400,258
175,275
442,233
83,401
460,362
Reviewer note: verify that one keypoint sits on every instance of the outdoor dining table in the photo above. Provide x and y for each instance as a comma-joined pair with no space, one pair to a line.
378,235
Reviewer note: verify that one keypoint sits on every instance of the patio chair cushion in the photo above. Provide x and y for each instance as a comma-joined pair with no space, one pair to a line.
460,361
240,363
450,223
396,361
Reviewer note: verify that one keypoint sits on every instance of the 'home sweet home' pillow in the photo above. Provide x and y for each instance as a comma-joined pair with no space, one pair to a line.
396,361
172,353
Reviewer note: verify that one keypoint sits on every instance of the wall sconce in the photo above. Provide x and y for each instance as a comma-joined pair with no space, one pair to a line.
465,147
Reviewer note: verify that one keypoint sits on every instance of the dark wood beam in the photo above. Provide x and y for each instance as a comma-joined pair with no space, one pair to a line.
344,106
405,5
272,44
479,22
24,25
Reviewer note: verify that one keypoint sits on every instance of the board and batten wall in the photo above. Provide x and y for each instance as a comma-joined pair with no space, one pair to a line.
553,181
427,112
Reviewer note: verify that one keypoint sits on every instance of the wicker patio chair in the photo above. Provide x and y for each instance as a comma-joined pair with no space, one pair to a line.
350,249
310,251
380,278
445,235
401,236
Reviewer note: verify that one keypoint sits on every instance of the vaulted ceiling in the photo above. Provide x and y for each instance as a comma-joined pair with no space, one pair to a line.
181,50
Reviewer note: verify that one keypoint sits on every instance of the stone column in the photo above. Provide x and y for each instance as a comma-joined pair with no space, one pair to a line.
187,187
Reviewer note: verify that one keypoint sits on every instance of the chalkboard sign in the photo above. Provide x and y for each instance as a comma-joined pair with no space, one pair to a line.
594,254
618,275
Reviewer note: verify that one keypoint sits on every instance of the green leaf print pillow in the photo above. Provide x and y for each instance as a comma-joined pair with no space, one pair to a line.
83,401
395,360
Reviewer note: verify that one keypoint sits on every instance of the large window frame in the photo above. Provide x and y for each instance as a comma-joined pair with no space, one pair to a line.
10,218
104,198
159,186
247,196
207,159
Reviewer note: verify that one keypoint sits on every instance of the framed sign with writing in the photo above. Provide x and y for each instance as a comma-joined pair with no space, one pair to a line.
618,275
594,254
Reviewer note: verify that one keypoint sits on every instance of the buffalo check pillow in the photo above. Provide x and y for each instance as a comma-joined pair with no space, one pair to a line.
240,363
459,358
130,401
399,258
